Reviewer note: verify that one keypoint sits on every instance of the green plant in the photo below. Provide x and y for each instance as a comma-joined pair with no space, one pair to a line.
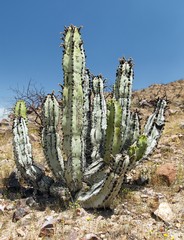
101,139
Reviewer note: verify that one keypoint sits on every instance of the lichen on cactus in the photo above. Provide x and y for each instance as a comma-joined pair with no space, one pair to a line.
100,140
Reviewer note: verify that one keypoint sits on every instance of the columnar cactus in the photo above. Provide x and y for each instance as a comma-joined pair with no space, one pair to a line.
23,151
100,139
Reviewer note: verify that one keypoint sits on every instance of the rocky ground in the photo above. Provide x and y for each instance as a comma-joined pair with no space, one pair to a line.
150,205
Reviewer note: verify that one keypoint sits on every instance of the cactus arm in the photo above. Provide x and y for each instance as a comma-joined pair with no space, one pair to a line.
122,93
113,142
24,159
72,118
50,136
119,170
154,126
137,150
105,189
135,126
98,120
95,172
133,130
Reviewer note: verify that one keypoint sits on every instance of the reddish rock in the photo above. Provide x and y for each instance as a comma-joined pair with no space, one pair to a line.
167,173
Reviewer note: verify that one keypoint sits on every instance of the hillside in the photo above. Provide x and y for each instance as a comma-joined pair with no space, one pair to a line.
150,205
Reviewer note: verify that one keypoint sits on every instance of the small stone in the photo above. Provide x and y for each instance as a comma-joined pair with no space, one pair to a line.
91,236
2,207
73,235
180,188
164,212
81,212
102,236
166,173
182,125
158,155
20,232
31,202
68,222
47,228
19,213
144,196
10,207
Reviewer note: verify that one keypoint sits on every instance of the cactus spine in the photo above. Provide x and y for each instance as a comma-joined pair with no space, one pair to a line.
101,140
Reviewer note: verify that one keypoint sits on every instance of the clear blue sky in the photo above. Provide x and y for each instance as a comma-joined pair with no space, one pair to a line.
149,31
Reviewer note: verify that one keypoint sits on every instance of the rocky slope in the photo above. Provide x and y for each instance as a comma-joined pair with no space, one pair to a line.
149,206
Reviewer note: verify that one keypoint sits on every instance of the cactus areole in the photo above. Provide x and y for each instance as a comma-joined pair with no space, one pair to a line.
101,140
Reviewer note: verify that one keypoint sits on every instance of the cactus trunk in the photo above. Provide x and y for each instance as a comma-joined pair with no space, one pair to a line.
73,105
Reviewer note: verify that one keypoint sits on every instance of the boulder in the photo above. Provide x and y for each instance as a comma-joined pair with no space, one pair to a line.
165,213
166,173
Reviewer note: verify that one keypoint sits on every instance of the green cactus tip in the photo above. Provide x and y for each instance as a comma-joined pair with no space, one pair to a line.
137,150
20,109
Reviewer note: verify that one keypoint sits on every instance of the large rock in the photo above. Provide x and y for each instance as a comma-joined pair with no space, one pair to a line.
165,213
166,173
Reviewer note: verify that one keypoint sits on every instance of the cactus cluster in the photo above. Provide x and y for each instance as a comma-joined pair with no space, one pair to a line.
100,139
